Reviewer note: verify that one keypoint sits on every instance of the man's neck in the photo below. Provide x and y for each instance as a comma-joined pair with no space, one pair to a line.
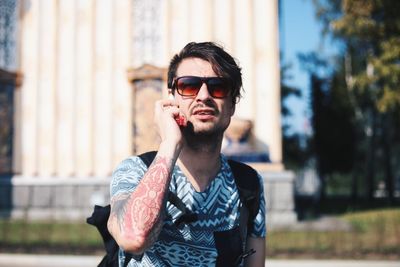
200,165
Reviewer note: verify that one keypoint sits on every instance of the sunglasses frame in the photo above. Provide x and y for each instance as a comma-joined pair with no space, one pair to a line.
206,81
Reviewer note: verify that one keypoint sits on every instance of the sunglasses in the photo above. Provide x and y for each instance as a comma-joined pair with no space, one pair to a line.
217,87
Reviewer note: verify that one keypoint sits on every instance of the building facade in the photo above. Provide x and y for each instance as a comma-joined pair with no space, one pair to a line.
89,71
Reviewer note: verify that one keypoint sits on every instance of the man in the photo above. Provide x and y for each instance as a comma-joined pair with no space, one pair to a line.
206,83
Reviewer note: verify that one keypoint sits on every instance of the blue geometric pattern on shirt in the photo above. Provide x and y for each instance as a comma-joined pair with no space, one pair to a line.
217,208
189,255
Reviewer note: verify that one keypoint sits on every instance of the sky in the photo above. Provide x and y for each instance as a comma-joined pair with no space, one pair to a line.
300,33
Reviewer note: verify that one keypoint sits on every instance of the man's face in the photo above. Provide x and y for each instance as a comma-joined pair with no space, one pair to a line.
207,114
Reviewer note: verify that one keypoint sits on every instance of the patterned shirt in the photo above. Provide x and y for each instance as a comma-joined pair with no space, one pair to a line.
189,244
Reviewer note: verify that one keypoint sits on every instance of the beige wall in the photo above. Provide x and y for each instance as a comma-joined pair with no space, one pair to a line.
75,101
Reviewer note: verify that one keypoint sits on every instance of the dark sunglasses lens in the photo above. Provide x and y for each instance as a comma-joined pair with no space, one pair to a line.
188,86
218,87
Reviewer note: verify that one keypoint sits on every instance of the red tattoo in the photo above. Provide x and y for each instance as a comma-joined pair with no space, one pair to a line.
146,203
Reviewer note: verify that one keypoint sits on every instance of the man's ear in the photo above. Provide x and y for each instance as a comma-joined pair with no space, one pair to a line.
233,109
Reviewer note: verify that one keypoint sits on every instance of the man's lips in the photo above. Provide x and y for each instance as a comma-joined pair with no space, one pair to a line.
204,113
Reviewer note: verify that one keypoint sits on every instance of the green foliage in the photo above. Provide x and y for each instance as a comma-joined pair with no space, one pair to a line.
338,184
297,152
50,237
373,235
333,129
366,76
387,70
373,28
375,221
294,153
287,91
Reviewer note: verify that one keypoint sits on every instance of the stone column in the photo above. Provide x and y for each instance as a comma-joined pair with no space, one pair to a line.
148,85
83,132
121,90
201,19
267,77
180,25
75,98
47,67
223,23
65,89
102,83
29,91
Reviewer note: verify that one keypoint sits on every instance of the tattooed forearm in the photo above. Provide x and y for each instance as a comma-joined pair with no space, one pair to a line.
118,204
139,214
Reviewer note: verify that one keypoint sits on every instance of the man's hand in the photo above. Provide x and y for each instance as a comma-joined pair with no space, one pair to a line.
168,120
258,258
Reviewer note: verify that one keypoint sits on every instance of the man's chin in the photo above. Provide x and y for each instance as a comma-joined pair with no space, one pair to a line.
204,129
199,130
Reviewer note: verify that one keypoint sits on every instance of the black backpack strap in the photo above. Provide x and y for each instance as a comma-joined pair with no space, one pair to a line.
128,258
99,219
187,215
148,157
247,182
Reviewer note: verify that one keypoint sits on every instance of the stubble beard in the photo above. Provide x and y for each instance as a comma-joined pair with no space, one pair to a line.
203,138
207,140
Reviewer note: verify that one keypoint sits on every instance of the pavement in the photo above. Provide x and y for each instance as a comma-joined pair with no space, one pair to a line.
23,260
20,260
330,263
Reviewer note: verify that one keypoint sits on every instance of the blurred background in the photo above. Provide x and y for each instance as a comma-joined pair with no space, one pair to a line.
320,117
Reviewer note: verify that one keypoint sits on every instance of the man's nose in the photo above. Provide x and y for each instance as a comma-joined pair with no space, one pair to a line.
203,92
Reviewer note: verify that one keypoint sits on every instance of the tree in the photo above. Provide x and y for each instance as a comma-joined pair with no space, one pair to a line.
332,119
295,153
369,31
